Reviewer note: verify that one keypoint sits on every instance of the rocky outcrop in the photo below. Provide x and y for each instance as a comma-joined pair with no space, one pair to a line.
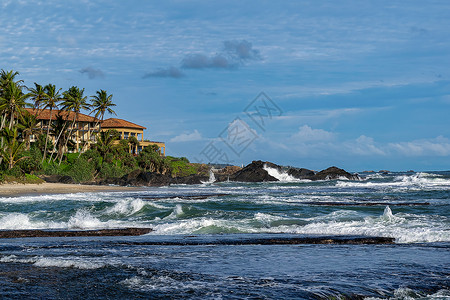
10,234
334,173
301,173
139,178
254,172
191,179
224,174
57,178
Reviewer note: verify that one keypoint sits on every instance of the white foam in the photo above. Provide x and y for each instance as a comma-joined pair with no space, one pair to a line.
15,221
67,263
163,283
40,261
422,181
280,175
127,207
404,293
212,178
84,220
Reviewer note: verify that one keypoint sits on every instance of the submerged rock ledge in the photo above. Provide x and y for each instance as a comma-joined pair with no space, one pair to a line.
234,239
10,234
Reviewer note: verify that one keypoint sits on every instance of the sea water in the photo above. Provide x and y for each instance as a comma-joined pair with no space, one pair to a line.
412,208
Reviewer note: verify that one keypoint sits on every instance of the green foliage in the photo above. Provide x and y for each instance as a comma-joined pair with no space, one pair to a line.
129,162
94,157
12,150
149,160
32,161
40,142
111,170
14,172
81,170
51,168
180,166
20,178
71,157
33,179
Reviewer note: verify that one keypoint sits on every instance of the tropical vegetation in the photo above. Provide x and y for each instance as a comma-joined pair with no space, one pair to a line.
52,148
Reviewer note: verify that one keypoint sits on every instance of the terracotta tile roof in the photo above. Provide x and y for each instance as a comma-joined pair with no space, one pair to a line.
45,115
119,123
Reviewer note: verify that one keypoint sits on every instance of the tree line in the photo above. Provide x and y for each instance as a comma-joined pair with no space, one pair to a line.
50,153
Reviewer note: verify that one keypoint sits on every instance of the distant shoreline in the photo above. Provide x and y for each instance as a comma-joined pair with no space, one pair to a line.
19,189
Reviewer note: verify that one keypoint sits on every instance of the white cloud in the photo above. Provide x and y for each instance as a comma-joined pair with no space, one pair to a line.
187,137
439,146
365,145
308,134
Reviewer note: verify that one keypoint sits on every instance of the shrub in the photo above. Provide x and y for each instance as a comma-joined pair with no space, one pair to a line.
111,170
32,161
81,170
180,166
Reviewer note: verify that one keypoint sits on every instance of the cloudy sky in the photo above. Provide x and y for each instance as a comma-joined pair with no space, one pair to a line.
363,85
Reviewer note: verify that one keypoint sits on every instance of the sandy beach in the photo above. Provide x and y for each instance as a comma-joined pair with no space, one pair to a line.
18,189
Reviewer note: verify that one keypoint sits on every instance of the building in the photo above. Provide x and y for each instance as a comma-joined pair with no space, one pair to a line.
128,129
86,128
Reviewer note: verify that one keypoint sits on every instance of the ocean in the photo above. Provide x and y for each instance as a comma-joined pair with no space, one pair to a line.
197,250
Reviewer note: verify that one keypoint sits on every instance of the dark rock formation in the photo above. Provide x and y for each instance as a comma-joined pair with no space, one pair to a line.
334,173
254,172
191,179
150,179
301,173
9,234
278,239
224,174
139,178
57,178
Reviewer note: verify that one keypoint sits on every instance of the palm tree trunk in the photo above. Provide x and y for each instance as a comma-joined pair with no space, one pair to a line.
56,143
46,138
67,140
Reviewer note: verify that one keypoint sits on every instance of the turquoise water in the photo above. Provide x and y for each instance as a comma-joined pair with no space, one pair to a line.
413,208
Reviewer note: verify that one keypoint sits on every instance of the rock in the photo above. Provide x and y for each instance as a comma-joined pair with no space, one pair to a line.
301,173
66,179
254,172
150,179
57,178
9,234
334,173
191,179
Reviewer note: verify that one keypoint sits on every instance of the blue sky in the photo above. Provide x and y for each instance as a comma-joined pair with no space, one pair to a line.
359,84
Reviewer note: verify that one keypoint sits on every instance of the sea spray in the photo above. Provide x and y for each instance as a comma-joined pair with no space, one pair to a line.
280,175
83,220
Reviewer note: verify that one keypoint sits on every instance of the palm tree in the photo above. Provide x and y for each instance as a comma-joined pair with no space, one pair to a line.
50,101
75,101
59,130
6,77
28,126
134,143
101,103
11,152
105,141
37,95
12,102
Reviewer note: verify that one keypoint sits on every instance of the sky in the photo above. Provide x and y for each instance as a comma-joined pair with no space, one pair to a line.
358,84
